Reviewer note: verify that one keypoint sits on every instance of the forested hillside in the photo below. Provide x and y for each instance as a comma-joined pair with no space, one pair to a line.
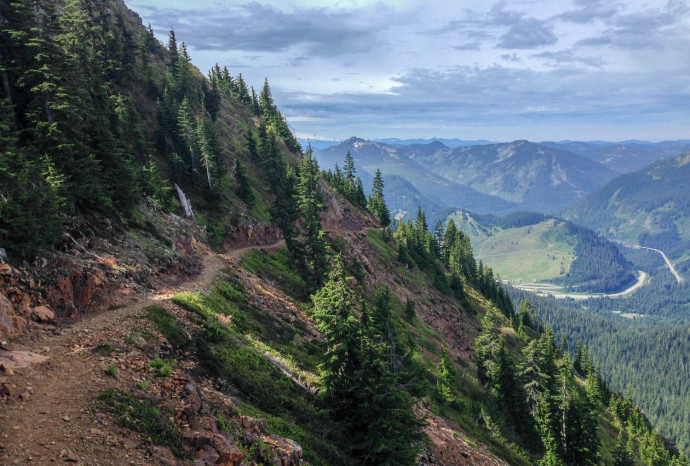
305,330
99,115
643,355
531,247
649,207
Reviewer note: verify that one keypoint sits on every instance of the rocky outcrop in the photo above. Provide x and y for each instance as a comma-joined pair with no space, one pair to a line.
98,268
251,234
450,445
339,215
11,323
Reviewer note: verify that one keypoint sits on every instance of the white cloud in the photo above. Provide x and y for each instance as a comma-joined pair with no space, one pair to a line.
413,68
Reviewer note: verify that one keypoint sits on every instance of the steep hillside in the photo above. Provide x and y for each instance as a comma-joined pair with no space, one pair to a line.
370,156
642,343
277,322
648,207
536,177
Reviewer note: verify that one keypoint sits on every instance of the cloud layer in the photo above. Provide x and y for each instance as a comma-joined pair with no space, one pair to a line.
578,69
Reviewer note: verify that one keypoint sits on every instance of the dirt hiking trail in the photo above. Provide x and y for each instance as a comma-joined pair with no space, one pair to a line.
53,382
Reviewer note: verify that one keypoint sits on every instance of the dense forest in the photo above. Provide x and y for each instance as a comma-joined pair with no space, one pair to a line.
97,116
599,266
642,343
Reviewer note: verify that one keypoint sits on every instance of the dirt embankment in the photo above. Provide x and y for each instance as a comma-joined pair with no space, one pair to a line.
49,389
95,268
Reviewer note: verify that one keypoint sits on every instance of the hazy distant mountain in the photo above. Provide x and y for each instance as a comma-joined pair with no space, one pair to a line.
317,144
446,142
623,157
650,206
537,177
437,191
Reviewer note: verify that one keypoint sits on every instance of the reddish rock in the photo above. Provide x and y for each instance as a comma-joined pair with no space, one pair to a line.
11,324
42,314
6,314
251,235
206,455
230,454
286,451
340,216
217,447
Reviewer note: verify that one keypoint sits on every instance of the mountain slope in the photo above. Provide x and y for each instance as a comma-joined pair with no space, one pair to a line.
370,156
536,177
312,334
649,207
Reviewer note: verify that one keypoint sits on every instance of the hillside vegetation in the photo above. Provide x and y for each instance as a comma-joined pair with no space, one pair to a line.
528,247
648,207
323,337
642,352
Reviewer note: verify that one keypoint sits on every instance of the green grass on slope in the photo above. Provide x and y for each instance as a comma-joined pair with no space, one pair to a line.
234,345
421,348
276,268
143,416
533,253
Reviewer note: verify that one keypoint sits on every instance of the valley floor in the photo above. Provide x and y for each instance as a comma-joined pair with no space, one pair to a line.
547,289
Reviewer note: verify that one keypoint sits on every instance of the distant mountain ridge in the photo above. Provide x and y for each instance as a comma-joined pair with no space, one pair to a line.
433,190
624,156
535,177
446,142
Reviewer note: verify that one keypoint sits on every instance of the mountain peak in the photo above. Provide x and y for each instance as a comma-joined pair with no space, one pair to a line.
353,140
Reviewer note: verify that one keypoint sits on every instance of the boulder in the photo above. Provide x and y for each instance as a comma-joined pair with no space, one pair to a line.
218,448
7,329
42,314
286,451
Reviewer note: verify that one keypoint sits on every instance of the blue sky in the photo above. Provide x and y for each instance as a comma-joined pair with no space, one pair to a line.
504,70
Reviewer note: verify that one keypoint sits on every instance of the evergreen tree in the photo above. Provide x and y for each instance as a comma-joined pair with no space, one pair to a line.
334,311
251,145
172,47
376,203
187,129
449,240
360,198
446,377
204,151
266,104
256,107
309,203
349,172
359,387
244,188
242,91
624,454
